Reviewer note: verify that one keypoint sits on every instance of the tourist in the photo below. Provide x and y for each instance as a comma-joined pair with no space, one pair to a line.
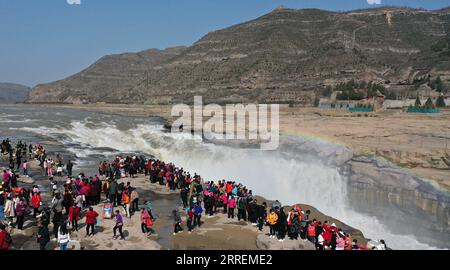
190,218
332,238
74,216
224,201
176,222
198,214
43,235
281,224
2,203
304,224
113,189
293,224
25,168
69,167
340,240
134,197
50,168
311,232
79,202
355,245
118,225
242,208
21,208
5,238
67,200
63,236
146,222
231,206
36,201
383,246
96,189
261,215
91,220
320,241
10,212
252,212
59,170
126,203
57,208
272,219
184,196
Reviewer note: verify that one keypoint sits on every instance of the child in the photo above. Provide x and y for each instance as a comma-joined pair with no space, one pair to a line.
25,168
190,218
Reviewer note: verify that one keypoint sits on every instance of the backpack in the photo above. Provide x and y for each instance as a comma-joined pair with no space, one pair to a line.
125,198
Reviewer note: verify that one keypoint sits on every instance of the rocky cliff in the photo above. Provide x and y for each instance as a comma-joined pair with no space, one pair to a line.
284,56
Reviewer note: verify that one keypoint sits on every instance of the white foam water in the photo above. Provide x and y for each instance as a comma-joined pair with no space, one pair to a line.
272,174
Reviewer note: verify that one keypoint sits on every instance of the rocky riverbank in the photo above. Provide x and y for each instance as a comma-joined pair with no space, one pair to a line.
217,232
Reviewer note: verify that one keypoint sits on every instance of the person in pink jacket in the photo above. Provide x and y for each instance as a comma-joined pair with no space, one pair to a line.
340,240
224,202
231,205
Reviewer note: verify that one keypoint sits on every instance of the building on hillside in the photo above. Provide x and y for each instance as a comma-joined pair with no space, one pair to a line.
326,103
331,103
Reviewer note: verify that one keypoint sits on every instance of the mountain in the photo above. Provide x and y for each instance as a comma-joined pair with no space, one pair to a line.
285,56
13,93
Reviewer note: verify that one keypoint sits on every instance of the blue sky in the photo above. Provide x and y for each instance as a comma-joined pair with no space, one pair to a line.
47,40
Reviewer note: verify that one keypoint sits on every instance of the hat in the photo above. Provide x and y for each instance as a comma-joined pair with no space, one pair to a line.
333,225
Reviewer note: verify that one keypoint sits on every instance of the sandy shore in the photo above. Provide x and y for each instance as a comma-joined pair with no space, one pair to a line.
419,143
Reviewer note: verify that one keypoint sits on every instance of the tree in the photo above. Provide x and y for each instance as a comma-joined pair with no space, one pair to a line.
362,85
327,91
439,84
432,84
429,103
418,103
316,102
440,102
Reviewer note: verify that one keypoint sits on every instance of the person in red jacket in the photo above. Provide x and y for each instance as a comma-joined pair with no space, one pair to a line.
5,238
74,216
91,219
311,232
327,234
35,203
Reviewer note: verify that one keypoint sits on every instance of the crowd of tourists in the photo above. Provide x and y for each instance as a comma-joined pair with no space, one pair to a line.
74,197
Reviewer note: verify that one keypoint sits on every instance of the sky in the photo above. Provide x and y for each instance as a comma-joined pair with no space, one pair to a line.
47,40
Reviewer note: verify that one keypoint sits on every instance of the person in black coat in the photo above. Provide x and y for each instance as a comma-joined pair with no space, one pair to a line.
69,167
43,236
261,215
281,224
184,196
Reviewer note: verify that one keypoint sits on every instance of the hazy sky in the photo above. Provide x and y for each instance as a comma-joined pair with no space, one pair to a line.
47,40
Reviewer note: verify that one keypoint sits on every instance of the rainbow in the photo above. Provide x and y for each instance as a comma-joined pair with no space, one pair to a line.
332,141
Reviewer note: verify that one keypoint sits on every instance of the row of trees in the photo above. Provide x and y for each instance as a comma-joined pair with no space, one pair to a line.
353,90
440,103
435,84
